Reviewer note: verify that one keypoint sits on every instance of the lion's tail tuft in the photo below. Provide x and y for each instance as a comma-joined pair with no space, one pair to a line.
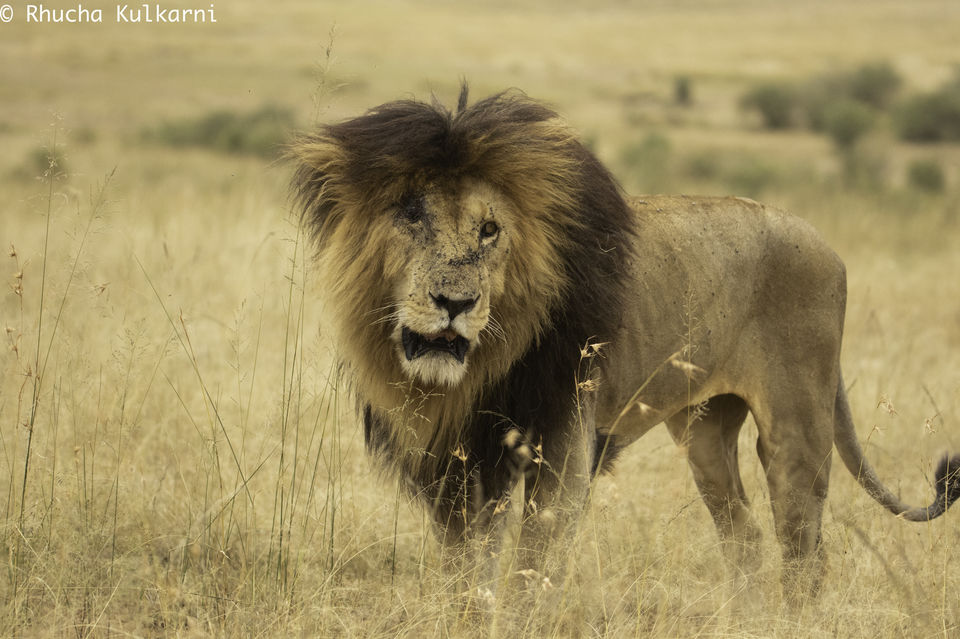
947,481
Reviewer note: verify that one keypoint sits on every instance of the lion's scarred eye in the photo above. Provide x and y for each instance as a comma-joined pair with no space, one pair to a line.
489,230
411,209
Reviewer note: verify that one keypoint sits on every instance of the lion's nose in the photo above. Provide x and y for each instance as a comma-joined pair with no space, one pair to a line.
454,306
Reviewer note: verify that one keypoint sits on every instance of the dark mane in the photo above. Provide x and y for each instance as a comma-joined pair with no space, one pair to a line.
372,160
368,164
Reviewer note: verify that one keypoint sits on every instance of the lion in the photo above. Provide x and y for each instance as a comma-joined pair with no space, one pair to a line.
506,314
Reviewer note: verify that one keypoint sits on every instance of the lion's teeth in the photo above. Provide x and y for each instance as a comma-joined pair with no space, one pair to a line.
416,345
409,339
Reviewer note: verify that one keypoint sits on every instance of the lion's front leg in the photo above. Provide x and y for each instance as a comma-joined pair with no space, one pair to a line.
556,488
470,514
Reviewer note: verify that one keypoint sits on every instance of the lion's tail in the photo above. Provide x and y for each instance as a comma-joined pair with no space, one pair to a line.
947,476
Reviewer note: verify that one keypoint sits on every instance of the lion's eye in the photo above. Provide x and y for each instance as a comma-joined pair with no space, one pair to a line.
489,230
411,209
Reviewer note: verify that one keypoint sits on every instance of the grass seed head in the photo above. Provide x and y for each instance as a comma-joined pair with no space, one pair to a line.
886,405
588,350
588,385
599,345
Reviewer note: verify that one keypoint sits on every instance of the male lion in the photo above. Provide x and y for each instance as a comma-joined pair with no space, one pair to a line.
504,312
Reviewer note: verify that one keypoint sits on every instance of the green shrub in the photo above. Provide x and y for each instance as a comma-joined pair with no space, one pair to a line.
846,121
775,102
41,163
751,176
260,132
816,97
931,117
875,84
926,175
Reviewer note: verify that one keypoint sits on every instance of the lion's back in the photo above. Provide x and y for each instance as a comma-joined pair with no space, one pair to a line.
727,281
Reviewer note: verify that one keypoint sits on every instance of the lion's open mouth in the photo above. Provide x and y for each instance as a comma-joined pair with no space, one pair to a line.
449,341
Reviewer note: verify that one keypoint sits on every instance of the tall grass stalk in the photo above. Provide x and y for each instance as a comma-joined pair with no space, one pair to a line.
210,404
119,455
290,362
243,416
49,176
303,442
324,415
213,509
40,364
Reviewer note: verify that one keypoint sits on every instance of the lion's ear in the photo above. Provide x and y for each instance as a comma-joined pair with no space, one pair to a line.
319,169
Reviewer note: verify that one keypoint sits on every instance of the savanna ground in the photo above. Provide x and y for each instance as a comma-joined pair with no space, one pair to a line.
177,457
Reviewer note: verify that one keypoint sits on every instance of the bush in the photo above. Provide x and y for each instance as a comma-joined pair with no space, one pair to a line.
931,117
40,163
926,175
775,102
816,98
872,85
875,84
259,132
751,176
845,121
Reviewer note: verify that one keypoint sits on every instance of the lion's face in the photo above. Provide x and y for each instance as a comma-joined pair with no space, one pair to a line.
450,252
449,242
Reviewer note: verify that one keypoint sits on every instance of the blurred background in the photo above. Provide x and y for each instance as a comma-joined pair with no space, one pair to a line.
815,87
178,455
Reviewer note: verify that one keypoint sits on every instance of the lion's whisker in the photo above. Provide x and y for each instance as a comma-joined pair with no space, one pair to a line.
389,317
495,328
392,305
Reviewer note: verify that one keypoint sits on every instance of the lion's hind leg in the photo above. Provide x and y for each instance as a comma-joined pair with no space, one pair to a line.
795,446
709,435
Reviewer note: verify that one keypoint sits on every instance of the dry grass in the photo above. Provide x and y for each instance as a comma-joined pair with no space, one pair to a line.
177,457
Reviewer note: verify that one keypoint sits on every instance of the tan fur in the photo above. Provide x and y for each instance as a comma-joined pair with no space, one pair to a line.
714,307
